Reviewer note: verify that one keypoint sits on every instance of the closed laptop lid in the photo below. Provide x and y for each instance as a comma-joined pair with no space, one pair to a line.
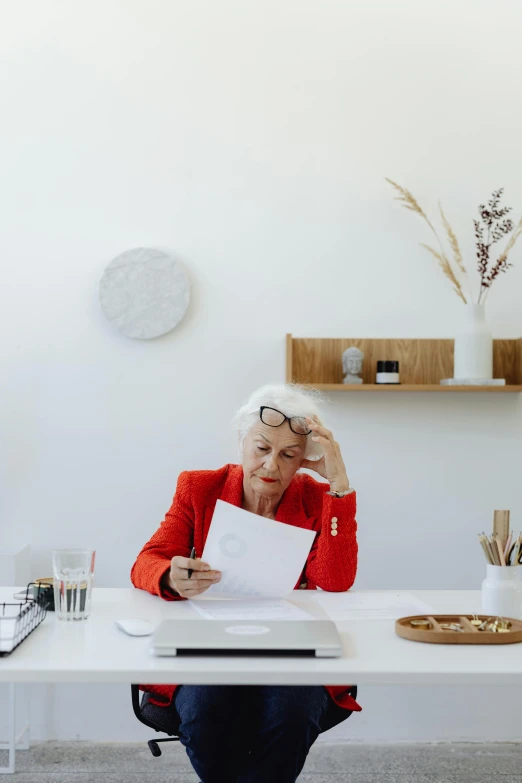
235,637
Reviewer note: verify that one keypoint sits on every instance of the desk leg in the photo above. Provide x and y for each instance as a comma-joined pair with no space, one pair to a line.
13,741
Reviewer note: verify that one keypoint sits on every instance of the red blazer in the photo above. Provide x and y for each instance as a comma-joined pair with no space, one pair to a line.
331,564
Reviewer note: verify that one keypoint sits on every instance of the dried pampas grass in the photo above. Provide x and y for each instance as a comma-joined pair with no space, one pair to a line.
448,271
452,239
409,201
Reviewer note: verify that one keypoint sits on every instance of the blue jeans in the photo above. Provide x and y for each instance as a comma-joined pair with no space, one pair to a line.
245,733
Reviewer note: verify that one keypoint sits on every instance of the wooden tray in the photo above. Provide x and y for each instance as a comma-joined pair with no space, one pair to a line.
437,635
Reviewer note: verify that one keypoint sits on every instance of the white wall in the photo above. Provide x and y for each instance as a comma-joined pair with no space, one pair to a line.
252,138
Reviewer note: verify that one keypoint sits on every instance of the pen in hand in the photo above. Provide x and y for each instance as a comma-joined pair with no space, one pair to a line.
192,557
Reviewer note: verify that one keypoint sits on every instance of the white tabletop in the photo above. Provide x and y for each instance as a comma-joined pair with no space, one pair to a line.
96,651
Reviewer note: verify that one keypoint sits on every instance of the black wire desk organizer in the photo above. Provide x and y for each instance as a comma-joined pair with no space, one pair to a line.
18,620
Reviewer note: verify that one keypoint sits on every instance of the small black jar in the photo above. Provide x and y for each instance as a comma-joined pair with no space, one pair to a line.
387,372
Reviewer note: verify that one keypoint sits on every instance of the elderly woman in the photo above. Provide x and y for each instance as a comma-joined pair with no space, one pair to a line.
256,734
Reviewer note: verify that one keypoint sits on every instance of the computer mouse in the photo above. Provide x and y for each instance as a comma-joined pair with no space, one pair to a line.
135,626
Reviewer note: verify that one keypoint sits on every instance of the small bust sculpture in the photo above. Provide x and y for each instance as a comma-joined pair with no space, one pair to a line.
352,365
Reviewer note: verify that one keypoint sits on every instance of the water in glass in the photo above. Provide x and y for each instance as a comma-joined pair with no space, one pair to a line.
73,575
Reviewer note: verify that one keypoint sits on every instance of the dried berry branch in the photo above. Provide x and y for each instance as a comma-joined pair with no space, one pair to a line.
501,264
494,219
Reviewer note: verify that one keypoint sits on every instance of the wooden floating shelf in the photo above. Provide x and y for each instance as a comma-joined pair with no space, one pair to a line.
411,387
317,362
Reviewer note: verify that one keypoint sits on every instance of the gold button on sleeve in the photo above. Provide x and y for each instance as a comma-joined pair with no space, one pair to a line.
334,519
333,532
334,525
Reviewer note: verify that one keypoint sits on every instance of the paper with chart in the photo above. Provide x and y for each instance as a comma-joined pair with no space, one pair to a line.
258,557
250,609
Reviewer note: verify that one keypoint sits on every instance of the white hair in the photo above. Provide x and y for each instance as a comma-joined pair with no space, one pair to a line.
289,398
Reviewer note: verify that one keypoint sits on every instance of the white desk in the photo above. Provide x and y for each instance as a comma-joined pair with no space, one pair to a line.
96,651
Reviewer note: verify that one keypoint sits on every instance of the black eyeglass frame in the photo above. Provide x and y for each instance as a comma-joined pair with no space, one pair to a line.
286,418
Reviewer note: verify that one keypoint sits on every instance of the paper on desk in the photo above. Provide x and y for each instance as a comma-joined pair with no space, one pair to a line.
258,557
250,609
373,605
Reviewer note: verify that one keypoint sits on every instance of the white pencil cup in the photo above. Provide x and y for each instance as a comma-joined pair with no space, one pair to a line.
502,592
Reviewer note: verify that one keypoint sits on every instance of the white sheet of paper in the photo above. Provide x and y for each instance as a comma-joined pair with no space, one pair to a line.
258,557
250,609
378,605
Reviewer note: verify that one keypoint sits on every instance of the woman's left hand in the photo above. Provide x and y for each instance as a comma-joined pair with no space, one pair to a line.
331,465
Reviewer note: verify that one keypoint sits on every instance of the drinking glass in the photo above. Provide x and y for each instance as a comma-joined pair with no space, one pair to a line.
73,574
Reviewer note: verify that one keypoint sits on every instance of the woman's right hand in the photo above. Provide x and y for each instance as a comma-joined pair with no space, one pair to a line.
202,576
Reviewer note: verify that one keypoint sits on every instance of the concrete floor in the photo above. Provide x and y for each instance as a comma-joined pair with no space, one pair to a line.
86,762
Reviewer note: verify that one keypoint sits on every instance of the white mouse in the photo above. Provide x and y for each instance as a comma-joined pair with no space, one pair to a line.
135,626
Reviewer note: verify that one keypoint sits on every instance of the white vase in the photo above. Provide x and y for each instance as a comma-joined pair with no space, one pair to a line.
473,356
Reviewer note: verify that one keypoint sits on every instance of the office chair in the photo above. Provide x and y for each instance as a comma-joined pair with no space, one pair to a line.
136,706
153,744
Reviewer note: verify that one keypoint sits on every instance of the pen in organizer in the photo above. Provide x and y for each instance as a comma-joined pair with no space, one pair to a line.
192,557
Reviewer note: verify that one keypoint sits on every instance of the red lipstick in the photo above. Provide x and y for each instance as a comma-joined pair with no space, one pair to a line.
268,480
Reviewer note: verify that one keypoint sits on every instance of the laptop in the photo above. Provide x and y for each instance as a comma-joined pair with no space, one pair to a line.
313,638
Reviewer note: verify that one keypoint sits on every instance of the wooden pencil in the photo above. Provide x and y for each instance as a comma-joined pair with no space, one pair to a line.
500,551
508,544
483,544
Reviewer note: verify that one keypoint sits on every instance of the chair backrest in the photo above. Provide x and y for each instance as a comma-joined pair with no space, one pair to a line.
135,693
